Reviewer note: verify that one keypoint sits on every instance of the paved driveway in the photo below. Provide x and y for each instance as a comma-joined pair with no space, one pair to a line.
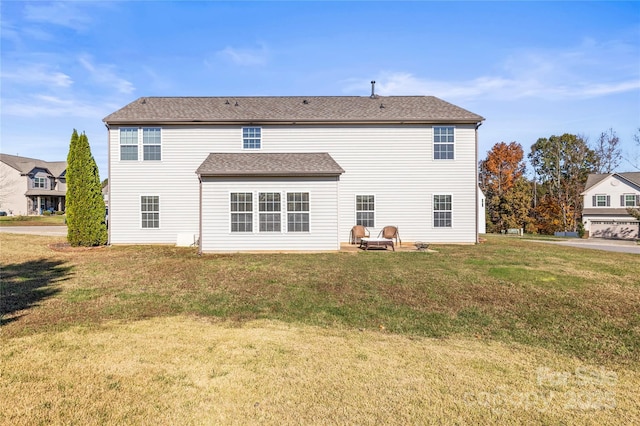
600,244
58,231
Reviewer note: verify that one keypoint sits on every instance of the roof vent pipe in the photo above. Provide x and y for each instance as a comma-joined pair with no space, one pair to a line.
373,89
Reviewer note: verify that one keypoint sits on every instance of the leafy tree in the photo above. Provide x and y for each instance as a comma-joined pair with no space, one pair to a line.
563,163
500,173
85,207
608,152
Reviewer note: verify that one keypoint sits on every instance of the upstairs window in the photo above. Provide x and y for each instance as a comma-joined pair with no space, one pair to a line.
40,182
442,211
269,206
630,200
129,144
298,212
251,137
443,143
151,144
365,210
601,201
150,210
241,212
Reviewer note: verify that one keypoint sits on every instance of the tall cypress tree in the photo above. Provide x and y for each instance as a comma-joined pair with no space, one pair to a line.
85,207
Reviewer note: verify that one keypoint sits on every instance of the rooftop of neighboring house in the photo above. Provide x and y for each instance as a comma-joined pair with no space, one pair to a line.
595,178
292,109
25,165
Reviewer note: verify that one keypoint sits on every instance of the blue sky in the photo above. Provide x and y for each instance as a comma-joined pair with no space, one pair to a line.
532,69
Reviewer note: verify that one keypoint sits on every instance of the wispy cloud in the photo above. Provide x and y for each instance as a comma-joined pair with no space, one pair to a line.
65,14
37,75
585,71
245,56
105,74
42,105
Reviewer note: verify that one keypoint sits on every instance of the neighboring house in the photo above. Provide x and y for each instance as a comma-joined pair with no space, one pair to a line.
606,199
291,173
29,186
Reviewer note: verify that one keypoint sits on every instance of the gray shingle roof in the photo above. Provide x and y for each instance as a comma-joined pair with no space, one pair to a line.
418,109
269,164
595,178
24,164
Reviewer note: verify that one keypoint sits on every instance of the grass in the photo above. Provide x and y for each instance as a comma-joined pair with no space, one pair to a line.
509,331
32,220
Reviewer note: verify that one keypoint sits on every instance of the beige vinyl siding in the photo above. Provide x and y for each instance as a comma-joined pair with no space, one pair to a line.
394,162
323,213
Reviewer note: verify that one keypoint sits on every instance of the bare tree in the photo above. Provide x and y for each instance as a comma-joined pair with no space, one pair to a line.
634,159
608,152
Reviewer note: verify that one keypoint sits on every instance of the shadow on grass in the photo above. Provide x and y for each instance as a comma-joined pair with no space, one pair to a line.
26,284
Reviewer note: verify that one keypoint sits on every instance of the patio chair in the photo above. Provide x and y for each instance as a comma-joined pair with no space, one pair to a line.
358,232
390,232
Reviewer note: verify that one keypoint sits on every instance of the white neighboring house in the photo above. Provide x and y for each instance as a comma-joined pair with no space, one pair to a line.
29,186
291,173
606,199
482,215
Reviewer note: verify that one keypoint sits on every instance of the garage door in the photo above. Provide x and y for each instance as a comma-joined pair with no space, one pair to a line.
614,229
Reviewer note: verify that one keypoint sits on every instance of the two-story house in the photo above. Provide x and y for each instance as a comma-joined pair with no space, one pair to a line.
606,199
29,186
291,173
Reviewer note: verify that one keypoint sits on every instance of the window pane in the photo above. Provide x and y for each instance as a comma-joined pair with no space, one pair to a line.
129,153
151,136
442,211
365,210
298,222
128,136
269,222
251,137
151,152
150,208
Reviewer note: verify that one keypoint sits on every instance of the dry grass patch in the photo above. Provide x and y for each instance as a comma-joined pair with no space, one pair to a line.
185,370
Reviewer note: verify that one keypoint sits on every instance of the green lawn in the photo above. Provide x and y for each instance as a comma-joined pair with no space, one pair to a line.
580,302
506,332
32,220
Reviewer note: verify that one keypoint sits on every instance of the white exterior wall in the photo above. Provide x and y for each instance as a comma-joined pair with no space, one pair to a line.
393,162
216,214
12,190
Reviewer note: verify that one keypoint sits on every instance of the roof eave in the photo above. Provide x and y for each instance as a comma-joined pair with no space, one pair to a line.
293,122
260,174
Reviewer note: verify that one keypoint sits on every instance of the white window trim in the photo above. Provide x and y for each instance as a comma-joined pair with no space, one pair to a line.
242,138
434,143
605,200
286,209
433,211
141,138
120,144
253,212
375,208
140,211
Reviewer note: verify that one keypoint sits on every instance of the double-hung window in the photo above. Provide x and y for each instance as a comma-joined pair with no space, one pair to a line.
601,200
129,144
251,137
365,210
443,143
269,206
241,212
297,212
151,144
442,211
40,182
630,200
150,210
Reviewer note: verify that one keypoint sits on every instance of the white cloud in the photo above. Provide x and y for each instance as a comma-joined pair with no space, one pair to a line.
588,70
65,14
105,74
39,75
245,57
41,105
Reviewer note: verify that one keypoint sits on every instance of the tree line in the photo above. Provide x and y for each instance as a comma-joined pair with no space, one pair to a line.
549,199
